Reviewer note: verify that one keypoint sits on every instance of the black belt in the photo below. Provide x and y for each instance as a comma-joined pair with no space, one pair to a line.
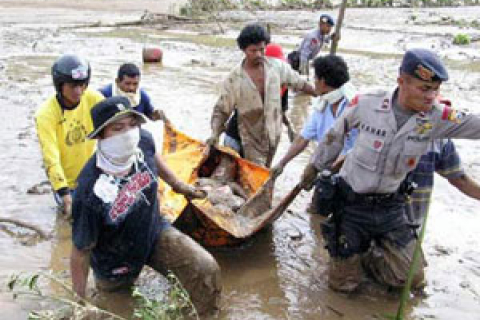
371,198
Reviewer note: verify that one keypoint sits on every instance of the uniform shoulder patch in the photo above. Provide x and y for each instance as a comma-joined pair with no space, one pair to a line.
354,101
445,102
452,115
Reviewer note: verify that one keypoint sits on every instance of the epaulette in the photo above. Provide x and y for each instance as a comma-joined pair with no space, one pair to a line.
376,93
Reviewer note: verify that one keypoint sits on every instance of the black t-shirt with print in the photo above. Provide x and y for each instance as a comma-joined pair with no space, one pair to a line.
118,219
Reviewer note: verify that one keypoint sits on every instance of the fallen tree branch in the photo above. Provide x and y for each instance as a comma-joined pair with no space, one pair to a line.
42,234
146,19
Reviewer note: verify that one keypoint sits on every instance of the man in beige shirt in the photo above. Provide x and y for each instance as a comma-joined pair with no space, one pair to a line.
253,89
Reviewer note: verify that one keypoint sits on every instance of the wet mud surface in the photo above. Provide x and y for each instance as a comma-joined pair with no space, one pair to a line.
280,273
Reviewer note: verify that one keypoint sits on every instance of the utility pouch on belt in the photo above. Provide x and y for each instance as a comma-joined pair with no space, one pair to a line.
326,193
329,204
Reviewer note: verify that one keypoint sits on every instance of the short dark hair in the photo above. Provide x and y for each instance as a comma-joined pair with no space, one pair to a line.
252,34
129,70
333,69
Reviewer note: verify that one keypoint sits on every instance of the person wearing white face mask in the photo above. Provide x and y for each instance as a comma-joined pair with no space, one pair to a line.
331,82
117,226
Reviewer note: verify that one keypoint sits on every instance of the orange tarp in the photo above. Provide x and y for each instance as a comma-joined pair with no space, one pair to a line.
207,224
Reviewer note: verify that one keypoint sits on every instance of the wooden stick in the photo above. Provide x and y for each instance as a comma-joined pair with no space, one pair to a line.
341,14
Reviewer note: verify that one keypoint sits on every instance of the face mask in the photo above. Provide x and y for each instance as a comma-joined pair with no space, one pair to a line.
116,154
133,97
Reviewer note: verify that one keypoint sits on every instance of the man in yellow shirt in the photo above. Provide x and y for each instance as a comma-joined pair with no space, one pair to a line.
63,122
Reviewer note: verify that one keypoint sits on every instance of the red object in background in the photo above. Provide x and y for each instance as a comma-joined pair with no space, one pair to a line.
152,54
275,51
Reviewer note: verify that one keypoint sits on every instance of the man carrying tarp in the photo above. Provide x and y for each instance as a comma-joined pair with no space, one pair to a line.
117,225
369,230
331,82
253,89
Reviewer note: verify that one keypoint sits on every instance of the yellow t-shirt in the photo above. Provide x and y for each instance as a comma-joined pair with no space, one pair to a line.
62,136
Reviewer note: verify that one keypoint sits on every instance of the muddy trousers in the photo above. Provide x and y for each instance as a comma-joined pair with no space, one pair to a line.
374,239
195,267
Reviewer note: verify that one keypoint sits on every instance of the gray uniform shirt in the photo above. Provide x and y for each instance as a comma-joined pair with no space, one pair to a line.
311,44
383,155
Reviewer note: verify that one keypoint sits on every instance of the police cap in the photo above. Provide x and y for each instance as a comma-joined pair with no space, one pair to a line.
424,65
326,18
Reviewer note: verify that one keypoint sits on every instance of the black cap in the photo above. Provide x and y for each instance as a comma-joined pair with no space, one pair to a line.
110,110
424,65
326,18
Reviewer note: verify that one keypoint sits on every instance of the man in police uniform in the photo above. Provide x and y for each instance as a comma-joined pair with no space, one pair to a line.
311,45
372,232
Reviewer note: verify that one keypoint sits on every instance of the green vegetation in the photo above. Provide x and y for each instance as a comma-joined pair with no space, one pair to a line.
210,6
70,306
461,39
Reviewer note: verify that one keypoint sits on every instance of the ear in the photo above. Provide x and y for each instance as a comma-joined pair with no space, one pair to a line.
400,80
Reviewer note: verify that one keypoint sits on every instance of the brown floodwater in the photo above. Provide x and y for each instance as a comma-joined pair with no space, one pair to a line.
281,272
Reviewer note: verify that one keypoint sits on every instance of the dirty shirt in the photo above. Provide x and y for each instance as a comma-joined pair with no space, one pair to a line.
118,218
62,136
259,122
383,154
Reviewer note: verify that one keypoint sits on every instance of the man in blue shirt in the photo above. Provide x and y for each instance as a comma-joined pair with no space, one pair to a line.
127,84
331,77
443,159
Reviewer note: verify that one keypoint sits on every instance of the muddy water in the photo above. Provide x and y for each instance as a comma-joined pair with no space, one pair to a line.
281,273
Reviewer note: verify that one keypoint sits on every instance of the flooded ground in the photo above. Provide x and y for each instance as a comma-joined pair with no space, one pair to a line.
281,273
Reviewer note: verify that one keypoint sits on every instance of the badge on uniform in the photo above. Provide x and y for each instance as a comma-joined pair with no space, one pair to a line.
385,104
423,73
452,115
354,101
314,41
423,126
411,162
377,144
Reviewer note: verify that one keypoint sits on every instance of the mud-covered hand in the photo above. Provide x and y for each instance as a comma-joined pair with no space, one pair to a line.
158,114
308,176
190,192
211,143
67,206
276,170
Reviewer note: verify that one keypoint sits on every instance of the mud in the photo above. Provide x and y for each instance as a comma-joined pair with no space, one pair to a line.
281,273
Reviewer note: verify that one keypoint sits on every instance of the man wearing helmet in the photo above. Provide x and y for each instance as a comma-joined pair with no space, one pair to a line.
62,122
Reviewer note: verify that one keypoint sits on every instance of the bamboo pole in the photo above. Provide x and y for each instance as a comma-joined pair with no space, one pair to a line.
411,272
338,26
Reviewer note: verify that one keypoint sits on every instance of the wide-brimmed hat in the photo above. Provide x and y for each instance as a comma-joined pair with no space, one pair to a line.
110,110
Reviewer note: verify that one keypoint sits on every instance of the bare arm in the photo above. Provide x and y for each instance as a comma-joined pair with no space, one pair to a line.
177,185
166,174
309,89
298,145
79,266
467,186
